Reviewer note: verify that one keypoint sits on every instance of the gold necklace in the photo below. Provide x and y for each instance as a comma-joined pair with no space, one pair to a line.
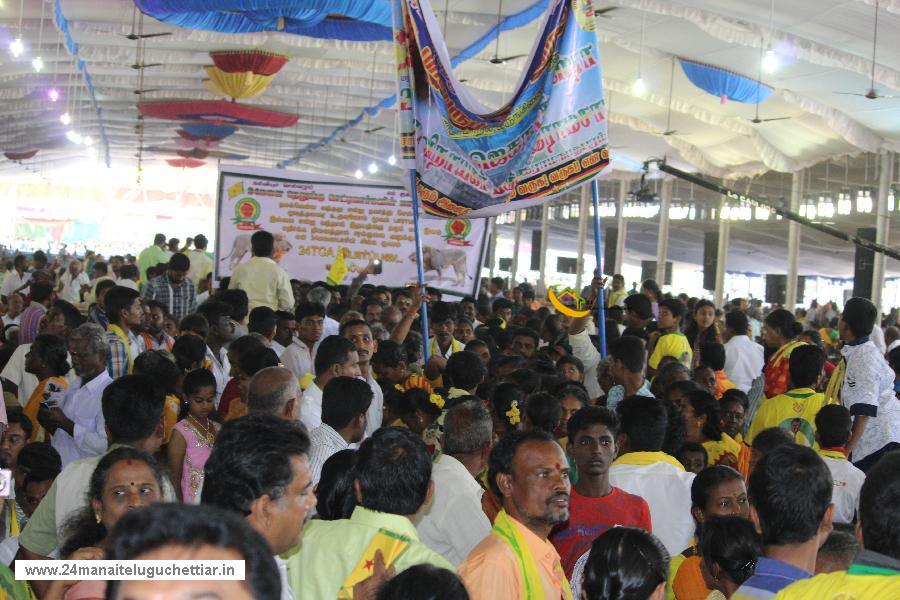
206,431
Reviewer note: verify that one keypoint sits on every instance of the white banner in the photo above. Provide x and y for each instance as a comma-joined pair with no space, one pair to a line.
312,218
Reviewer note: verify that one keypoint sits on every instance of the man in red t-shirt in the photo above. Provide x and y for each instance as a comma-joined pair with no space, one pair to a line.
595,505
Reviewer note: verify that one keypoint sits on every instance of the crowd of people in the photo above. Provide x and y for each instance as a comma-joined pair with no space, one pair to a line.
696,452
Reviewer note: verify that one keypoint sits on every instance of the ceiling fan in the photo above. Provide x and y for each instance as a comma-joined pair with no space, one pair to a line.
497,59
143,65
669,131
373,129
141,92
139,36
756,120
872,93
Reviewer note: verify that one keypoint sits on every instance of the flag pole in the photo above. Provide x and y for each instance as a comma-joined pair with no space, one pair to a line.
414,194
601,317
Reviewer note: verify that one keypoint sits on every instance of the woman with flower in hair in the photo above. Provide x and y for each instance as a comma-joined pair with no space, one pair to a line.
422,413
507,408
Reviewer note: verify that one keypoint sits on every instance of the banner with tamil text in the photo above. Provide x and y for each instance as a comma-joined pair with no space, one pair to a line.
550,137
312,218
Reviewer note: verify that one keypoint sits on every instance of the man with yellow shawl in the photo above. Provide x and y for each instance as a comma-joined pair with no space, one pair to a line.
123,307
528,471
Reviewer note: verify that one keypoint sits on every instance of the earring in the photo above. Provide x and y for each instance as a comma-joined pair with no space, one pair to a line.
98,518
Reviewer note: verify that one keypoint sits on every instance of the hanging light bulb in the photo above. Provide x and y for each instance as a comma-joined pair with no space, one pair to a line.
770,61
16,48
392,160
373,168
358,174
65,119
53,94
639,88
74,137
88,141
38,64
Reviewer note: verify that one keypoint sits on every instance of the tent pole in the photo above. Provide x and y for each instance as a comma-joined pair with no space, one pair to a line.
601,318
414,194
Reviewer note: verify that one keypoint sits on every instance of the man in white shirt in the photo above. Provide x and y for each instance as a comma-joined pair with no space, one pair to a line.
285,330
300,356
345,401
201,263
221,332
77,424
833,424
73,282
60,320
275,391
245,474
644,470
14,309
454,523
321,295
336,357
15,280
265,282
744,360
868,387
360,333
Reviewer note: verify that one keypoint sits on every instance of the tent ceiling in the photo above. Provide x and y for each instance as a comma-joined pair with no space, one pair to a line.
825,45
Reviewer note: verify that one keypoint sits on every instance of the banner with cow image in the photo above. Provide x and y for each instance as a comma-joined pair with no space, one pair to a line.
312,218
473,161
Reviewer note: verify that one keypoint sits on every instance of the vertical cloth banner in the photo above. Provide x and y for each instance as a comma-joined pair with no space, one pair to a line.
549,138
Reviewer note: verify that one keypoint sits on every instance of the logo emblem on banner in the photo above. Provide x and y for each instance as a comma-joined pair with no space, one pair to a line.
568,302
456,232
246,212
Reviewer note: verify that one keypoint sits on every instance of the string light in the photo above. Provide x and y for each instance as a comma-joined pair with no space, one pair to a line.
53,94
65,119
373,168
358,174
38,64
639,88
770,61
864,201
844,204
392,160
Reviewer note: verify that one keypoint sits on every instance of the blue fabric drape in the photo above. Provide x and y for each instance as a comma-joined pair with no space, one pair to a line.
356,20
719,82
514,21
72,47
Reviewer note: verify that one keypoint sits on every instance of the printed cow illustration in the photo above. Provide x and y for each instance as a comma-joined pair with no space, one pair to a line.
435,259
241,246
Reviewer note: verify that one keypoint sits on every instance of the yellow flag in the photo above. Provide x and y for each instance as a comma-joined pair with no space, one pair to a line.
234,190
338,269
391,545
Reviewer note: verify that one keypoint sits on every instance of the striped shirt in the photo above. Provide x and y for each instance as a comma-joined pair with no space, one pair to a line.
771,577
324,441
179,300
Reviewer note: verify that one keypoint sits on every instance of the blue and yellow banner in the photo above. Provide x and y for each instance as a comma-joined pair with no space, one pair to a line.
549,138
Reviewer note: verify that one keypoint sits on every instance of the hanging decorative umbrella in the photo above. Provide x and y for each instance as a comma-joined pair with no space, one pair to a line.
725,84
185,163
252,61
20,156
218,112
239,84
200,143
200,132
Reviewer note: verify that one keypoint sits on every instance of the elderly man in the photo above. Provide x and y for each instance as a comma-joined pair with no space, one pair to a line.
73,283
17,279
274,391
77,424
455,523
529,473
266,283
173,289
259,469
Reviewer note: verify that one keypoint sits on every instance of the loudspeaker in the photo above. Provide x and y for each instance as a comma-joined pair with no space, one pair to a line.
776,289
648,271
610,241
536,249
864,265
710,259
506,264
567,265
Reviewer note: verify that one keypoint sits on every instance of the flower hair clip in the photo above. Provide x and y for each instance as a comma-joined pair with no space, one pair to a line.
513,414
399,388
437,400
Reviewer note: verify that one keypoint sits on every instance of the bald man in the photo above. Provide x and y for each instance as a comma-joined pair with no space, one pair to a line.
276,391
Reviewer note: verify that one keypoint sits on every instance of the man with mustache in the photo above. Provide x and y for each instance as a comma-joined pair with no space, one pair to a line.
529,473
360,333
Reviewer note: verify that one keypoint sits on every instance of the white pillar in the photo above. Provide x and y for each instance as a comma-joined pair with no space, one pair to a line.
722,259
517,239
621,226
493,248
662,242
882,225
583,216
545,246
793,249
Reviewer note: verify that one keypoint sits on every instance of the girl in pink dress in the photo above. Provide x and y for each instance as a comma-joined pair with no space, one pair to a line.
193,437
